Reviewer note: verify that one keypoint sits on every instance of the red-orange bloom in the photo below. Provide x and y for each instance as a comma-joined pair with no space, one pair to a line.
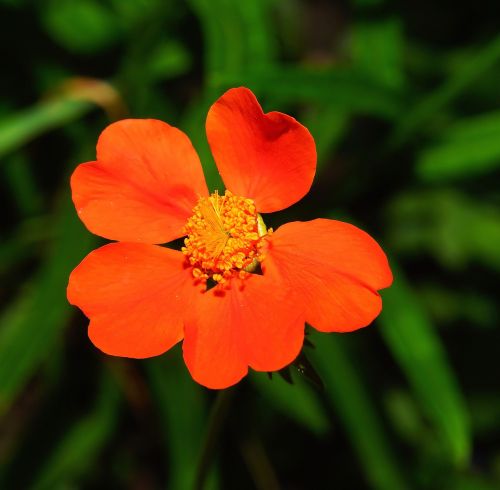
147,188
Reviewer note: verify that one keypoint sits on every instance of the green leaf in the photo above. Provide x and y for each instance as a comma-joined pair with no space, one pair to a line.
84,26
21,183
377,51
20,128
134,13
24,242
78,451
478,64
223,38
297,401
455,229
469,147
405,417
347,394
182,410
258,30
33,322
167,60
417,348
237,35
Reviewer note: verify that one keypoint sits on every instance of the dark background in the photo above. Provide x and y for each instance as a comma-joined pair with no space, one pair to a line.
403,100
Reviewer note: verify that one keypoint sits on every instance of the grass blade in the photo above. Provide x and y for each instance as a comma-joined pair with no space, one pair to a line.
478,64
80,447
33,322
469,147
182,410
418,350
358,415
377,50
18,129
298,401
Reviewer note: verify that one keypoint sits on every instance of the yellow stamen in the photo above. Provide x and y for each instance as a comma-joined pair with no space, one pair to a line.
224,237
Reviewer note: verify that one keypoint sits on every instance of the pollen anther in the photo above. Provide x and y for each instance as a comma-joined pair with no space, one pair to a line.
225,237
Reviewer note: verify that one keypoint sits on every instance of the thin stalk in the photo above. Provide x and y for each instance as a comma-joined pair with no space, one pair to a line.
217,418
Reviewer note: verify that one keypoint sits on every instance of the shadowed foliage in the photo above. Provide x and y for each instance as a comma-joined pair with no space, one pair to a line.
403,103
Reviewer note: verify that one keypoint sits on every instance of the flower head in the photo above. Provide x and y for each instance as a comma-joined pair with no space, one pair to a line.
237,294
224,238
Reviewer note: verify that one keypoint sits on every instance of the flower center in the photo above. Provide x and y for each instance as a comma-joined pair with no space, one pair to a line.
224,237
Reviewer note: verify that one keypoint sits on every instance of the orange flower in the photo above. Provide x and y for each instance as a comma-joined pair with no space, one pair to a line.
147,188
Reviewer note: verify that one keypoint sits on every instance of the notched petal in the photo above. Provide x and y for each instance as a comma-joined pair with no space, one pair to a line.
143,185
270,158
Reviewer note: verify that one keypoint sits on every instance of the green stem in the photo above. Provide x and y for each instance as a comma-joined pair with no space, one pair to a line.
215,423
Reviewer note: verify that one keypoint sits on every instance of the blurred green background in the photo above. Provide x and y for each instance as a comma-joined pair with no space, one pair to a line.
403,99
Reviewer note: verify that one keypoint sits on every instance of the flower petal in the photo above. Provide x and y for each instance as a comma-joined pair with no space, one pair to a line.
270,158
144,184
135,296
335,268
254,324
